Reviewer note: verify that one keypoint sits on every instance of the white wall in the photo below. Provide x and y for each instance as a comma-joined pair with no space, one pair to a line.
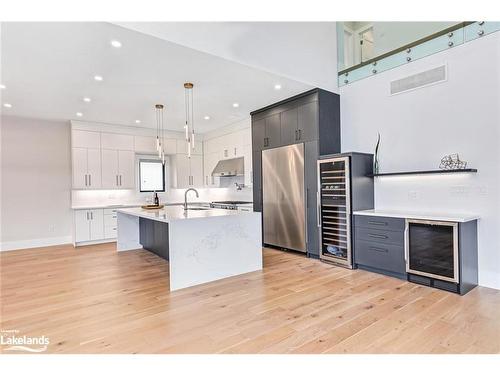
419,127
36,183
388,36
303,51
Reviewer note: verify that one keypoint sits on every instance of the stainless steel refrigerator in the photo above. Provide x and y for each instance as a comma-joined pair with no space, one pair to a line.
283,197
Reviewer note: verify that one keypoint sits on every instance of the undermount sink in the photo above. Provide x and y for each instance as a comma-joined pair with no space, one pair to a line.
198,208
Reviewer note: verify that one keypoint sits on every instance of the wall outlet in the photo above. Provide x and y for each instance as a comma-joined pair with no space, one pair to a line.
459,190
413,195
482,190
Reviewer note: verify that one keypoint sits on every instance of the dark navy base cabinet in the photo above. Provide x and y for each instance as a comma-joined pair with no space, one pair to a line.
379,246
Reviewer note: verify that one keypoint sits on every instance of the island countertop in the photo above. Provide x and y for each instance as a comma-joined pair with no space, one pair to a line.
174,213
460,218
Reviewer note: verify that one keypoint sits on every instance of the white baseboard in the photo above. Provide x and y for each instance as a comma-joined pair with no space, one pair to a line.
38,242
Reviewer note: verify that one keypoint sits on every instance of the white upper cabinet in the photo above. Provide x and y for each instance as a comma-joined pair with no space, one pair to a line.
118,169
126,169
147,145
112,141
144,144
85,139
187,172
86,168
182,147
233,145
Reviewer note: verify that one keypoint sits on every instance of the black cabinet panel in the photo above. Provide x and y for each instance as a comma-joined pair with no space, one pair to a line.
289,130
386,257
257,180
258,134
273,131
380,236
307,124
379,222
153,236
311,182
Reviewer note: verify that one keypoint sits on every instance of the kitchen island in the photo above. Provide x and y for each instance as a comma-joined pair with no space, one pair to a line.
200,244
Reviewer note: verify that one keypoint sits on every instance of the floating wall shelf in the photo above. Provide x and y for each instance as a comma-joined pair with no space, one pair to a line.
435,171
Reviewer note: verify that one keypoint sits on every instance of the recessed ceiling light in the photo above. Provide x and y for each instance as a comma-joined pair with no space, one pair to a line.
7,105
87,100
98,78
277,86
137,121
79,114
2,86
116,43
236,105
207,117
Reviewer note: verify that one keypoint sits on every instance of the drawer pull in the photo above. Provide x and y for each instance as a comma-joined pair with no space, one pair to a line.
379,249
377,222
378,236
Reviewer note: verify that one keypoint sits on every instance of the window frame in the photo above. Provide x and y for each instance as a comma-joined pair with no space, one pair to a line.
163,175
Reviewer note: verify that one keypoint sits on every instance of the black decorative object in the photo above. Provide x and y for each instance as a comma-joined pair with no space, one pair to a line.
375,159
452,162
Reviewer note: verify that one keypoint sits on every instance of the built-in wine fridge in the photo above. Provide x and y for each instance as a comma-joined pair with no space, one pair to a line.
345,184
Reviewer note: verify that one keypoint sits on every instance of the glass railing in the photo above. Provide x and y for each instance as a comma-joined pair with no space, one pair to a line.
368,48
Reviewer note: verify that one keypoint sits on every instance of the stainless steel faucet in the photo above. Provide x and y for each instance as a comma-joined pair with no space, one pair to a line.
186,195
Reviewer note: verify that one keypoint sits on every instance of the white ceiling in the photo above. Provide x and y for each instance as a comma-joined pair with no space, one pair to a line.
303,51
48,68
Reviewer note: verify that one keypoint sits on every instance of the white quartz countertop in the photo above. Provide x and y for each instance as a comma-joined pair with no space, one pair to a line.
459,218
173,213
126,205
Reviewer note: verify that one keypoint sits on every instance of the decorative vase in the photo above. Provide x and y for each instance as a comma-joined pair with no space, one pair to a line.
375,159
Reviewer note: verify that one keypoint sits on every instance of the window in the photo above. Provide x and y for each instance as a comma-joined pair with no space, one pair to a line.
151,176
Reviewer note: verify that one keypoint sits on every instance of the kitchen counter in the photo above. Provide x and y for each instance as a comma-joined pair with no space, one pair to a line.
458,218
126,205
173,213
200,245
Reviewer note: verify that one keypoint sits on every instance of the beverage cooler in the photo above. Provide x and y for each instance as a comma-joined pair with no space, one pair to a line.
344,186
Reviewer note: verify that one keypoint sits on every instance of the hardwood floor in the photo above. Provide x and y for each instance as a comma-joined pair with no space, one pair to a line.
95,300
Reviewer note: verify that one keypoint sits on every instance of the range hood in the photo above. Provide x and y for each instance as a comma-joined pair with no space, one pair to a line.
229,168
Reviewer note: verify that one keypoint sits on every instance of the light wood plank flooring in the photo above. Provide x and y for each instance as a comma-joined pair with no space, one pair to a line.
95,300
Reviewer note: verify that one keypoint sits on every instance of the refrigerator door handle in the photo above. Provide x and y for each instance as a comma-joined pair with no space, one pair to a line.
318,209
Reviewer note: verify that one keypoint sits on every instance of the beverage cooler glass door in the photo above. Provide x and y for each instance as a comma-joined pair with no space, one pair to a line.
334,210
431,249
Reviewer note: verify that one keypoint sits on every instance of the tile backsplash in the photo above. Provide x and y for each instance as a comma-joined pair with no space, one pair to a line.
115,197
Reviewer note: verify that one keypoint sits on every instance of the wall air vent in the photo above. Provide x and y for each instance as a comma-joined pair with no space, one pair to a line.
415,81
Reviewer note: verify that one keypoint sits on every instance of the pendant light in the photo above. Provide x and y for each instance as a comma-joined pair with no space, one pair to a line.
189,126
160,133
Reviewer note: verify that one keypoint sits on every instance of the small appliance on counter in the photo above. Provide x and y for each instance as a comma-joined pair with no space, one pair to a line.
343,186
228,205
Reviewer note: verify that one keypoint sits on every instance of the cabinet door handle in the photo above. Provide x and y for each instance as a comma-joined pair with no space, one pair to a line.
235,151
206,180
120,180
87,215
378,236
85,180
377,222
116,179
300,134
90,180
296,135
379,249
